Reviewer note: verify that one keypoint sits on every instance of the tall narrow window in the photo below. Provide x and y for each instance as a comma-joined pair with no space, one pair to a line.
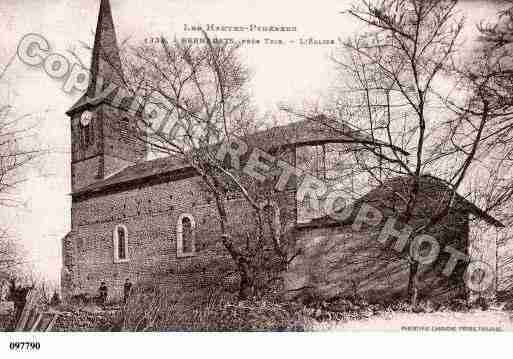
86,130
185,236
120,239
121,243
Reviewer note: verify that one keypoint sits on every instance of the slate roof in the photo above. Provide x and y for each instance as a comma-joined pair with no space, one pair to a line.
430,187
391,191
305,132
139,171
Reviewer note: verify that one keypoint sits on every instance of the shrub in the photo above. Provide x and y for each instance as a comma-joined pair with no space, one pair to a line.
151,308
56,299
81,299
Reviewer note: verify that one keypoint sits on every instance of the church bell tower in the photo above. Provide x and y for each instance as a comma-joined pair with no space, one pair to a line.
103,136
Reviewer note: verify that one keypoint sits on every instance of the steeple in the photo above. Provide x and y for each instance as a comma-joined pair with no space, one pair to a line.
102,142
105,61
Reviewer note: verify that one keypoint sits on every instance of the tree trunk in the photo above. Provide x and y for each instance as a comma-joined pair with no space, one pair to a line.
413,290
246,286
242,260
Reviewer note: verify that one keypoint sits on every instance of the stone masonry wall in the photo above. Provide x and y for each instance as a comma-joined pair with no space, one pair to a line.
338,261
86,172
150,213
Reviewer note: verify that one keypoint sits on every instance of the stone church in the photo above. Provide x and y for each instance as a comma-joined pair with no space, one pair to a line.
150,219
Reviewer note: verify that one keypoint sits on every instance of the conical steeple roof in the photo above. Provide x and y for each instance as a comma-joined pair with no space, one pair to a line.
106,65
105,61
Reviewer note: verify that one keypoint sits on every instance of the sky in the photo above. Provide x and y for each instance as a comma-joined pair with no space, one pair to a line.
280,73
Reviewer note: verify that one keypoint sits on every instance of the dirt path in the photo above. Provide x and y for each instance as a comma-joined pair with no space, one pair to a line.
472,321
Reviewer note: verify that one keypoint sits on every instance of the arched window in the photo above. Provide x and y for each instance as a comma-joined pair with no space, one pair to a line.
185,236
120,239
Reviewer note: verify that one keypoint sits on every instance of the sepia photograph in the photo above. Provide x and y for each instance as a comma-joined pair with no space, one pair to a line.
288,170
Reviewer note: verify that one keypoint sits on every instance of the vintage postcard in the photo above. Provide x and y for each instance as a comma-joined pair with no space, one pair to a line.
255,166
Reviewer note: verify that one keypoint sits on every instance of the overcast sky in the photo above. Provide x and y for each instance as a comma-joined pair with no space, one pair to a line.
288,73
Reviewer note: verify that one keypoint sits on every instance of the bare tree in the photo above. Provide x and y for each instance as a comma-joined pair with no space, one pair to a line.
203,89
393,88
17,152
487,79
